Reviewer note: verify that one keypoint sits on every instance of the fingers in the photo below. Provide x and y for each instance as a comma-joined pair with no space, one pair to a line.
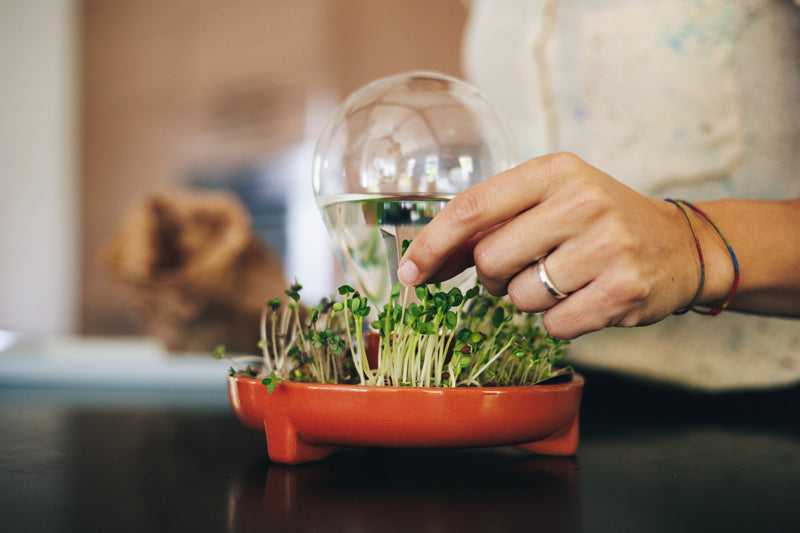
616,253
507,250
566,269
460,259
602,303
598,304
628,282
573,317
476,210
528,292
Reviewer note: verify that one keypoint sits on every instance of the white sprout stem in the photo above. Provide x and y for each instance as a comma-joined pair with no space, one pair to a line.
438,358
273,319
362,352
383,362
356,361
401,348
474,375
264,348
430,354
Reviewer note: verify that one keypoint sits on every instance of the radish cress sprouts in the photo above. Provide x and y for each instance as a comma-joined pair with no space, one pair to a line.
442,339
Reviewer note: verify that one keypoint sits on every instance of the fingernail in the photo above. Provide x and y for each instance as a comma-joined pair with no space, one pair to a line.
408,273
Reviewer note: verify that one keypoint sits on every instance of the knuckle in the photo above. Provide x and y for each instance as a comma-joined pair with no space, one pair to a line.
558,328
563,162
631,319
425,245
492,286
421,248
638,293
615,241
467,208
629,287
565,326
486,261
590,200
616,245
522,300
520,296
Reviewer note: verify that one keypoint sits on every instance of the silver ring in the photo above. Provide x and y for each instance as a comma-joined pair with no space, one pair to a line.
545,279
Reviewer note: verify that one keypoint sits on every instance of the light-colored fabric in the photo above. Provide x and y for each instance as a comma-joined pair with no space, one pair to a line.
698,100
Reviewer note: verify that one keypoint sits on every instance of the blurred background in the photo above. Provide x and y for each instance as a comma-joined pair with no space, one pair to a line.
107,101
109,107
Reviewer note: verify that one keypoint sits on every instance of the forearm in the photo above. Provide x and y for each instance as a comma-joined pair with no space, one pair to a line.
765,236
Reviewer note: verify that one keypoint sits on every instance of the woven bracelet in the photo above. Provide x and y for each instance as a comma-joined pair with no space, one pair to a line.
699,292
717,309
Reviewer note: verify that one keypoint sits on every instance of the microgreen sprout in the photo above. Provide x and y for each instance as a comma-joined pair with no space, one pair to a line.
455,338
301,344
448,338
221,352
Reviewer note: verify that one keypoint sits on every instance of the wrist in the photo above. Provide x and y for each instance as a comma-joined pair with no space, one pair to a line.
718,266
720,270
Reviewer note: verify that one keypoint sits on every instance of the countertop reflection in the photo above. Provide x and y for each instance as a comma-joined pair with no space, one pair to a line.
651,459
407,490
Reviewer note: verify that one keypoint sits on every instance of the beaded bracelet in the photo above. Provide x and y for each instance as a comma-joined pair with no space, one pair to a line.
717,309
700,256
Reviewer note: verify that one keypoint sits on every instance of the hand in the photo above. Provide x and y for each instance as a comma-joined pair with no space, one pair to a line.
622,258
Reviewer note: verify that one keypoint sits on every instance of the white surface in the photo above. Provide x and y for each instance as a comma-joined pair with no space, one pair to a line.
38,192
110,370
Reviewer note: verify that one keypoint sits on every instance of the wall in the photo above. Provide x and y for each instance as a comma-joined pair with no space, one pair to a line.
173,89
38,193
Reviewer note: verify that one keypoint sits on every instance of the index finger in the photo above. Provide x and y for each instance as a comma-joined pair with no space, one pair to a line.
477,209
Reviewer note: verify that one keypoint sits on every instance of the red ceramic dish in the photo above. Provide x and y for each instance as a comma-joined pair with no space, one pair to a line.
307,422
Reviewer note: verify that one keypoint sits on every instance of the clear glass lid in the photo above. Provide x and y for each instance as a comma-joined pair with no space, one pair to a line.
390,157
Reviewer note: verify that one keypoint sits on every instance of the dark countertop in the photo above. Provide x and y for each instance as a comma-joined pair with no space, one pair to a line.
652,458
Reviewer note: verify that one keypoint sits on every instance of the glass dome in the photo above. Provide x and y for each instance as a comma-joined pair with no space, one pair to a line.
391,156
